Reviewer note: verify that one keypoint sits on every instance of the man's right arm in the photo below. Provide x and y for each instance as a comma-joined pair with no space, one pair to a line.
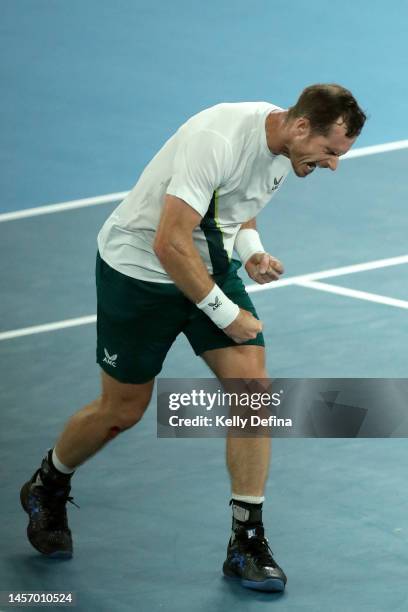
175,248
176,251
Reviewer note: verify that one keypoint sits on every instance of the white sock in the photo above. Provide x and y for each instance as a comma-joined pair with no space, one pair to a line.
249,499
60,466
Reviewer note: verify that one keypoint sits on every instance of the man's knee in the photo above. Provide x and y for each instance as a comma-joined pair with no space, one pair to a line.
247,361
124,413
124,404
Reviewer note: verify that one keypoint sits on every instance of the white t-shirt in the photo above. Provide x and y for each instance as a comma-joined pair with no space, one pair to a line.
219,163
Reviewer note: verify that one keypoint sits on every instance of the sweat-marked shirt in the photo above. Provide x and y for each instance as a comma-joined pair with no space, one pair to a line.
219,163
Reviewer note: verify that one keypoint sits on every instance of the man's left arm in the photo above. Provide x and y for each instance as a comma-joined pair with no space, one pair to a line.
260,266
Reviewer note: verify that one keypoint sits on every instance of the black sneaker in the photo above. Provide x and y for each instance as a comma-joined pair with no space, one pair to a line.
249,559
48,529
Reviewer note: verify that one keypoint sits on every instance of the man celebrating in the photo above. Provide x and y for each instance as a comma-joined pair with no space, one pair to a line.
165,266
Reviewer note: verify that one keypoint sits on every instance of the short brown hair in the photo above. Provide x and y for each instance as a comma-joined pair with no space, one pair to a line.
323,104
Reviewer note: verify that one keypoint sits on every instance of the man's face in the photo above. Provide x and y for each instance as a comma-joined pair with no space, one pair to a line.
308,150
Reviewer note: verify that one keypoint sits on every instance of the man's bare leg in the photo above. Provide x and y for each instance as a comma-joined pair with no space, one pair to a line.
248,462
248,555
119,407
45,495
247,458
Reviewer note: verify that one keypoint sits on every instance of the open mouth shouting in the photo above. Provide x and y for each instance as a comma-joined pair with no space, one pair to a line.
307,168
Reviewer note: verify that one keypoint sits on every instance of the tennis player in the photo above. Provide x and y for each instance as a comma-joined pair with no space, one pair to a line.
165,266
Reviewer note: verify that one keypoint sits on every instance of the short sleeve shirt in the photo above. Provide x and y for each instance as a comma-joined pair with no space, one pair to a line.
219,163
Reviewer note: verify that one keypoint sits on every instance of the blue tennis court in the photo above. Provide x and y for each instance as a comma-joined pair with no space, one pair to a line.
91,90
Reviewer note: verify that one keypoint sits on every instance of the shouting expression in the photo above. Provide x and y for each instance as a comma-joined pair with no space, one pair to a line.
308,150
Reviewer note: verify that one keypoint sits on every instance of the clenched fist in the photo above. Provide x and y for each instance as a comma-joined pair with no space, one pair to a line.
244,327
263,268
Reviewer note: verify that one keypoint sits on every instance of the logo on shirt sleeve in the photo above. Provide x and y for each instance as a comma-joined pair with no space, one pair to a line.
276,183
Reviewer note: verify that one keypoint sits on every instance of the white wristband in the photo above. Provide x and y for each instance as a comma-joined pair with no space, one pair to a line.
221,310
247,243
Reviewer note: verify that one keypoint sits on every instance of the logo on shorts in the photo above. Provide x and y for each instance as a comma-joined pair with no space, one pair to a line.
110,359
214,305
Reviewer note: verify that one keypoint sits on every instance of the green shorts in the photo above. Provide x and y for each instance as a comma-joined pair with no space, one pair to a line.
138,321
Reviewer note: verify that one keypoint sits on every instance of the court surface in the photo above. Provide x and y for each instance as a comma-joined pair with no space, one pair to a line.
92,89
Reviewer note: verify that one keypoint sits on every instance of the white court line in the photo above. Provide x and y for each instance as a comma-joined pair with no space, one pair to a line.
352,269
39,329
373,149
115,197
294,280
52,208
361,295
